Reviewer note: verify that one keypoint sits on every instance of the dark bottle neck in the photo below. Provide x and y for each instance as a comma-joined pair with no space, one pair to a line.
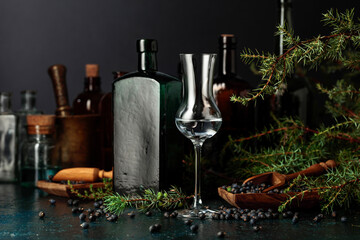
284,19
147,62
92,84
227,62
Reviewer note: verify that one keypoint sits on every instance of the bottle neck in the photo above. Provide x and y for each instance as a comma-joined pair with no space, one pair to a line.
92,84
227,62
147,62
28,101
5,103
285,19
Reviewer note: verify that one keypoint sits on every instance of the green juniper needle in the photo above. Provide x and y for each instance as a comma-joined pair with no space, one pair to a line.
150,199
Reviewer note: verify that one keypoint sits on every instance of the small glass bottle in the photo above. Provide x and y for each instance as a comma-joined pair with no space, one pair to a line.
236,117
8,131
28,106
88,101
36,163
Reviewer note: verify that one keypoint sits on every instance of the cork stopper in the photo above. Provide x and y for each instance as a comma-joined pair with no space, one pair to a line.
227,41
92,70
227,35
40,124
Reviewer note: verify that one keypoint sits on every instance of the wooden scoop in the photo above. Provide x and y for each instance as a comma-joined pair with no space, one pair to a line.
81,174
277,180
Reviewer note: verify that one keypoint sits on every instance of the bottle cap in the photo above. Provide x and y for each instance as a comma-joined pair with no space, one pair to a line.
227,41
146,45
92,70
40,124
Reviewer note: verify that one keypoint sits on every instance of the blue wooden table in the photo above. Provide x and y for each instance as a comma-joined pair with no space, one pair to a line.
19,208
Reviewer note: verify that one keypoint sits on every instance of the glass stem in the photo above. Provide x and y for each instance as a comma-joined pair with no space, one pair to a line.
197,196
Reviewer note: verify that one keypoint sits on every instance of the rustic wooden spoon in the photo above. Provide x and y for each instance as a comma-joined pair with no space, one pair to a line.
307,200
277,180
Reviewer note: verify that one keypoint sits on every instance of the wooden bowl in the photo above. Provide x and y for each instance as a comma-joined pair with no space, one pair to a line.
270,200
64,190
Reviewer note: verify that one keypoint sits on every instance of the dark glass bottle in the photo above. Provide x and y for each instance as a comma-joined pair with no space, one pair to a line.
147,144
236,117
238,120
293,99
88,101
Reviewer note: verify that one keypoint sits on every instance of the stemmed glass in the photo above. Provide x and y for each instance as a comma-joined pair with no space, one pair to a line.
198,118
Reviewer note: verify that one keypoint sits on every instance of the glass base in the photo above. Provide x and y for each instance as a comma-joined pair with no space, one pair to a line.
194,213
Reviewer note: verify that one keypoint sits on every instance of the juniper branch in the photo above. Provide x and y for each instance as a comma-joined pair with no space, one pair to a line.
149,199
274,69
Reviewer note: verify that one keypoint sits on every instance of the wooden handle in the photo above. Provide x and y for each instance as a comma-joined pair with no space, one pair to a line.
57,74
103,174
313,170
81,174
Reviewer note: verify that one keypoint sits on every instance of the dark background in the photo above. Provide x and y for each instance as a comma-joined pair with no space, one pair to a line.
35,34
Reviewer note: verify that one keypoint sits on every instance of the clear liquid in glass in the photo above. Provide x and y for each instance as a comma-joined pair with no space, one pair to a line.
198,130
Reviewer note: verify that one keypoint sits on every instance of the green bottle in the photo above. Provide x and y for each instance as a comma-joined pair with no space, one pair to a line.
148,148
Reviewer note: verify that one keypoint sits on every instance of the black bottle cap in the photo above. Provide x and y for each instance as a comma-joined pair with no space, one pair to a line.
227,41
146,45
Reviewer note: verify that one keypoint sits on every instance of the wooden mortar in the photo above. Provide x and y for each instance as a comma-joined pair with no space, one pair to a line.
77,136
77,140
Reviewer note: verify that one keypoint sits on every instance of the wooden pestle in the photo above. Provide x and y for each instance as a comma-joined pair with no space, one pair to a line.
82,174
57,74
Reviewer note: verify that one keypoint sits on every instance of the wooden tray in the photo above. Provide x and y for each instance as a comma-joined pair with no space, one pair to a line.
269,200
63,190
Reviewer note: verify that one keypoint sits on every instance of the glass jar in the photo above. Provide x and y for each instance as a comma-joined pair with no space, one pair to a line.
36,161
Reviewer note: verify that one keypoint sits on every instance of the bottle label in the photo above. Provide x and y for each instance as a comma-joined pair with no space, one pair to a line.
136,134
